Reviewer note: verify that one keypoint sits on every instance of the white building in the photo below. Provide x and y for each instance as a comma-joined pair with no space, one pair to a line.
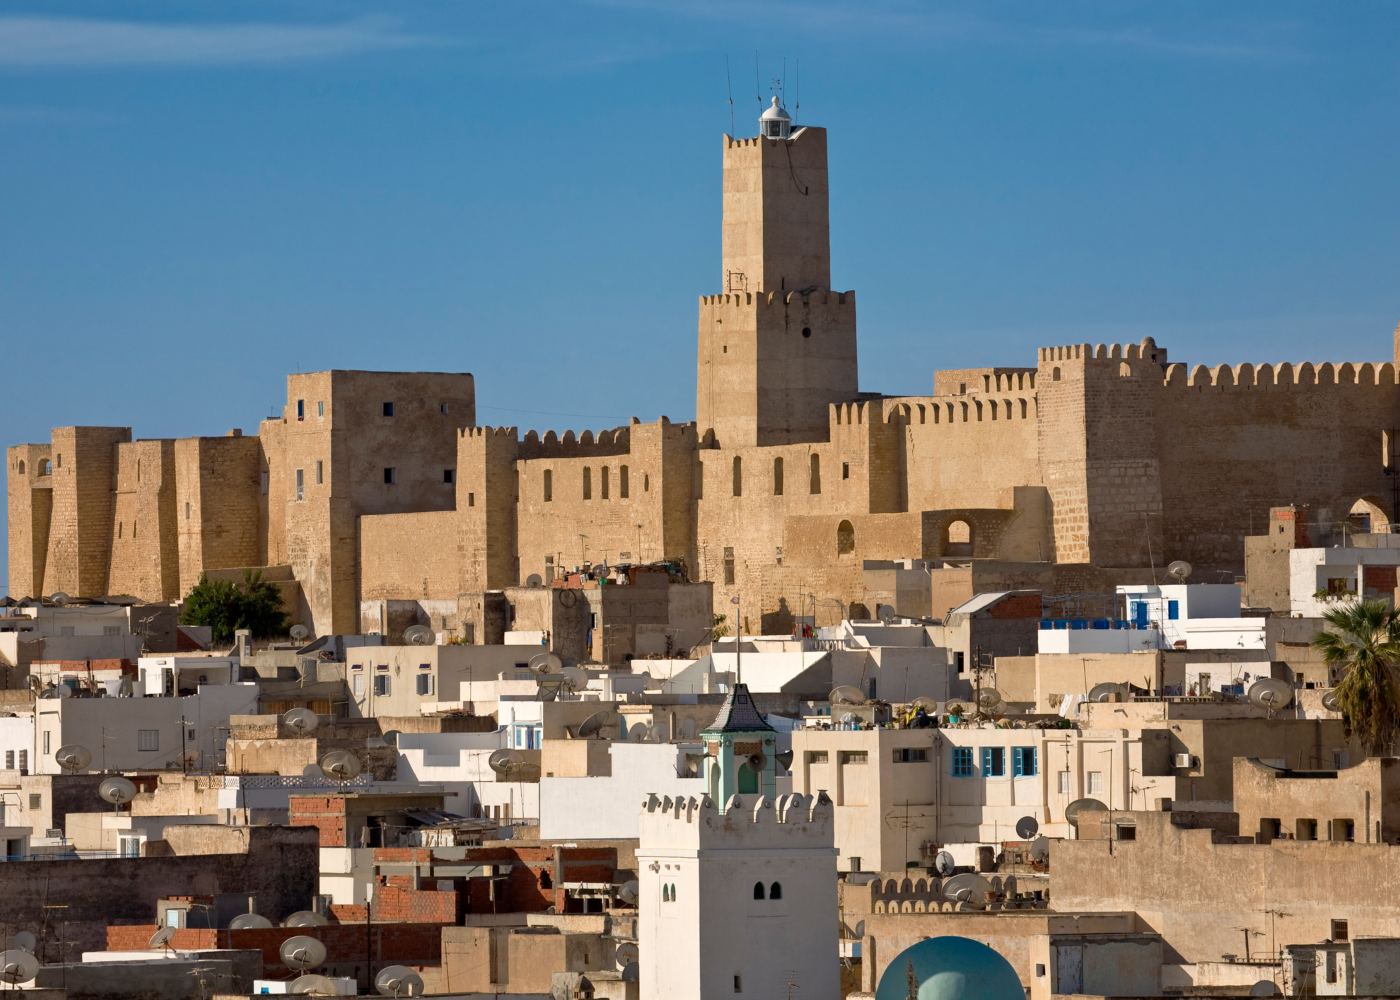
458,764
1319,578
1171,616
739,901
600,808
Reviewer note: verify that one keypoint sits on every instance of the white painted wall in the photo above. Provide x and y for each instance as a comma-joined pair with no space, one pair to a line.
606,807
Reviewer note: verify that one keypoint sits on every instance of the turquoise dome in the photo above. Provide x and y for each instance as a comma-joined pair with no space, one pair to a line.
950,968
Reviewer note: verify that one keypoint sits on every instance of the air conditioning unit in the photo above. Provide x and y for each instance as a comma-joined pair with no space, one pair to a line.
1185,761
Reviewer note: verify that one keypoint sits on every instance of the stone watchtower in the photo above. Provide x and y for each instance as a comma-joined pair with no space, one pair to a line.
777,346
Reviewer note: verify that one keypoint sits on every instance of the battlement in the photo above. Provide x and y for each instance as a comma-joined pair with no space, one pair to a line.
736,300
792,821
607,443
1146,350
490,433
1248,376
916,410
925,895
730,142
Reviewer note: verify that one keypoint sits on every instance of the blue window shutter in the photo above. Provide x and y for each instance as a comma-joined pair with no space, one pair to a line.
1035,760
1017,763
986,762
1173,610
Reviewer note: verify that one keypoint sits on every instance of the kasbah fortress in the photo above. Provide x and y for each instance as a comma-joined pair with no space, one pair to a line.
378,489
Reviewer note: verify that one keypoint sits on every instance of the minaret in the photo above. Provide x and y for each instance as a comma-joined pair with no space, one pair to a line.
740,752
777,346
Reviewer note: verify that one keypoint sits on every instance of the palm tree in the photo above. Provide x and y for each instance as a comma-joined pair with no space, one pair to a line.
1362,641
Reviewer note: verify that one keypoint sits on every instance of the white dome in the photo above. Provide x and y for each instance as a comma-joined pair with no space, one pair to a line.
775,113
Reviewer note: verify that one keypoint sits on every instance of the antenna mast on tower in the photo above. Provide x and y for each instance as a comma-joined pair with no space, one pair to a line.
729,92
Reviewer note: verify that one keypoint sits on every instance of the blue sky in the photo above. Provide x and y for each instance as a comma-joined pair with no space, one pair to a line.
201,197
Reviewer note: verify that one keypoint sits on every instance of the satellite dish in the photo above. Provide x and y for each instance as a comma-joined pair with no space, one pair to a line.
956,708
626,954
658,732
969,888
929,705
300,720
398,981
418,635
390,737
59,598
116,790
305,918
17,966
886,614
631,973
1271,693
846,694
1078,807
312,985
534,580
249,922
575,678
629,892
1330,702
161,938
988,699
1027,827
545,663
1108,691
1264,988
513,765
784,758
1040,849
302,952
341,765
944,864
300,632
22,941
598,723
73,757
1179,570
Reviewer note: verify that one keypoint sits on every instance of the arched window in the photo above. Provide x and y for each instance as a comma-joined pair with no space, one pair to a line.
623,487
957,540
775,891
758,890
777,477
46,469
548,485
738,476
845,538
1055,375
665,893
21,466
815,486
673,892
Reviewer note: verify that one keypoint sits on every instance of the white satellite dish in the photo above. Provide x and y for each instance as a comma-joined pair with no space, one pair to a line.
22,941
300,632
575,678
846,694
59,598
17,967
302,952
161,938
1271,693
1078,807
1179,570
300,720
390,737
1027,827
545,663
73,757
249,922
398,981
116,790
944,863
886,614
305,918
625,954
1040,849
418,635
1330,702
600,724
513,765
341,765
629,892
1108,691
988,700
969,888
312,985
784,757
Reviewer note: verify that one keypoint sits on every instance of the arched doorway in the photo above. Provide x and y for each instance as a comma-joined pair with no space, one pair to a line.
957,538
1368,516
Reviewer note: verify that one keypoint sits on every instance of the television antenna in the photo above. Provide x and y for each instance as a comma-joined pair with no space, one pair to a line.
1179,570
73,757
341,766
301,721
116,790
418,635
398,981
1270,693
305,918
1027,827
302,952
249,922
300,632
17,967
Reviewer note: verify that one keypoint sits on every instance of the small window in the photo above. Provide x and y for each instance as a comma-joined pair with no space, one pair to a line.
852,757
605,480
36,801
806,331
1127,832
993,762
444,409
320,407
910,755
845,470
1062,782
845,538
301,484
148,740
623,488
425,683
817,757
187,510
381,684
24,767
388,409
548,485
777,477
389,475
758,890
301,409
814,485
1023,762
775,891
1339,930
728,566
587,483
962,762
119,529
1305,829
471,499
9,760
1173,610
1094,782
738,984
320,472
738,476
20,467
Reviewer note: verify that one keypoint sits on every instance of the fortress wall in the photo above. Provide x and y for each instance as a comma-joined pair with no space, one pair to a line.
962,381
218,507
84,481
30,503
968,451
275,485
409,556
487,491
145,549
1236,440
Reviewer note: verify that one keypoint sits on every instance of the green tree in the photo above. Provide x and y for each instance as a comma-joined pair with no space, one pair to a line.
718,628
1362,643
225,606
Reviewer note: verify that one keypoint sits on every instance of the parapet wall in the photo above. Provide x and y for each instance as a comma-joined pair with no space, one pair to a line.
1145,350
1248,376
792,821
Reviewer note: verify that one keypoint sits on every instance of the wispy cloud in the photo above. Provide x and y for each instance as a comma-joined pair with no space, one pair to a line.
63,42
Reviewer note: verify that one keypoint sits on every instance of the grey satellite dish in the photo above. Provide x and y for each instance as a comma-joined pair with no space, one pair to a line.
391,737
17,966
300,633
398,981
1040,849
116,790
598,724
312,985
629,892
302,952
1178,570
1078,807
22,941
784,758
300,720
1330,702
418,635
988,699
305,918
626,954
59,598
1264,988
575,678
631,973
1027,827
1108,691
886,614
341,765
513,765
929,705
1270,693
846,694
944,864
249,922
534,580
73,757
658,732
545,663
161,938
969,888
